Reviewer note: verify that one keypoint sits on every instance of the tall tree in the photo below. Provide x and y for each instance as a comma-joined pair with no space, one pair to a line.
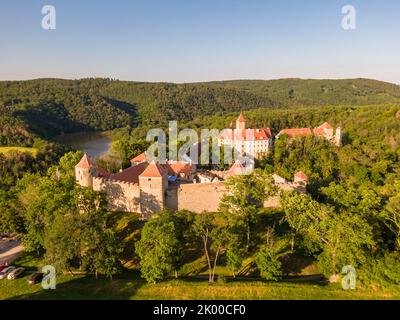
343,237
391,213
157,249
203,226
246,194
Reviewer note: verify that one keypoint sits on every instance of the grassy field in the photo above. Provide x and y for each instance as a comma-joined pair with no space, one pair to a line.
87,287
32,151
129,285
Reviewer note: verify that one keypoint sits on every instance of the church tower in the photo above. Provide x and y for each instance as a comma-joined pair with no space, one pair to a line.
241,122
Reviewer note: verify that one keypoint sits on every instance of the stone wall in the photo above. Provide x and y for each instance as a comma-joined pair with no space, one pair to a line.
121,196
197,197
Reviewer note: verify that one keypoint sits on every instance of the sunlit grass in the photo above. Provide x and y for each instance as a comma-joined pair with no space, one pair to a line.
87,287
32,151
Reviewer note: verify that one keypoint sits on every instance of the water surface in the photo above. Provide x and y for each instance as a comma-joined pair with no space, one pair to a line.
95,144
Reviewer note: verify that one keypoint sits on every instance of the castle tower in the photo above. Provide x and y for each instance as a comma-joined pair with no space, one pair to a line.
85,170
241,122
153,184
338,137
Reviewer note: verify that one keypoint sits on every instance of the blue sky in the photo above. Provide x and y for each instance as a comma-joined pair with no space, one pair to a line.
200,40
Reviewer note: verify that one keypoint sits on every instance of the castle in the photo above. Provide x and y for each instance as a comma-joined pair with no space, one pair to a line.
148,187
325,131
256,142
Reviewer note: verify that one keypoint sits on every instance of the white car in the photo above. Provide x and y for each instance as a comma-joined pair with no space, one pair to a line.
15,273
4,273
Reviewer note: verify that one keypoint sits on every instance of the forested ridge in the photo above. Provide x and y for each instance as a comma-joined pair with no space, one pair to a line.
48,107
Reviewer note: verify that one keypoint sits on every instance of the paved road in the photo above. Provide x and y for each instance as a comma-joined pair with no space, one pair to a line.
9,250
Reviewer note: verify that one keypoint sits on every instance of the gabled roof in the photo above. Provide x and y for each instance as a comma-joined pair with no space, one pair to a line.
130,174
237,168
296,132
241,118
326,125
301,175
154,170
85,162
321,129
178,167
140,158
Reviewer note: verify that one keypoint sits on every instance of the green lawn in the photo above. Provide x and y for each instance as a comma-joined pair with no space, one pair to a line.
32,151
129,285
87,287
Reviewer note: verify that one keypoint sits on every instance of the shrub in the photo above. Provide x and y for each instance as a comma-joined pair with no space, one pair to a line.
268,263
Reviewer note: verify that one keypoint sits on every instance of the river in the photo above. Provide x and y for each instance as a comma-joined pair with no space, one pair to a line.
95,144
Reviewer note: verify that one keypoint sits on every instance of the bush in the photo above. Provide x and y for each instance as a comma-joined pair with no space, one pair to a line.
383,271
268,263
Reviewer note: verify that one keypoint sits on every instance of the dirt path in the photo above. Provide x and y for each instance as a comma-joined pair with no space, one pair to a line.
9,250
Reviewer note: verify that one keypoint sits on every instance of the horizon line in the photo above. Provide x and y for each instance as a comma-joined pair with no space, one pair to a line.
197,82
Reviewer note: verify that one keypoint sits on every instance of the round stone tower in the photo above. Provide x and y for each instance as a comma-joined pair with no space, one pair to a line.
85,170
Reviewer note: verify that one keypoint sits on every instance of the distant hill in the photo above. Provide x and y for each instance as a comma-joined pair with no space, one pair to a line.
47,107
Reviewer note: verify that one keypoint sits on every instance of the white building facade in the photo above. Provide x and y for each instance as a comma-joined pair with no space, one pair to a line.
255,143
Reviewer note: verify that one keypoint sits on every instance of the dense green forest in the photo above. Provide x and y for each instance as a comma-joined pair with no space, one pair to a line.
48,107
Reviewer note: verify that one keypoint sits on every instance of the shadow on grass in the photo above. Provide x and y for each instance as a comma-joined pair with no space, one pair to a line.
87,288
127,226
318,280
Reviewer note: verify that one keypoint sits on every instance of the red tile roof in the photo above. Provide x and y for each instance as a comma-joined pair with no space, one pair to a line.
154,170
296,132
175,168
241,118
247,134
321,129
140,158
130,174
85,162
301,175
237,168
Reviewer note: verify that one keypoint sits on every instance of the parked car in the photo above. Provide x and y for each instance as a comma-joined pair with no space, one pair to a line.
14,274
5,235
4,273
36,278
3,266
